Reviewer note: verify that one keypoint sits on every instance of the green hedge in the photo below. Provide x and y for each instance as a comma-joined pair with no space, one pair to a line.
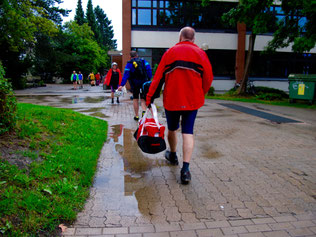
7,104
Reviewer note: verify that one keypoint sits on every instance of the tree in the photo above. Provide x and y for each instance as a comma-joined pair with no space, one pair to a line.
257,19
91,19
79,51
22,21
79,17
105,29
297,26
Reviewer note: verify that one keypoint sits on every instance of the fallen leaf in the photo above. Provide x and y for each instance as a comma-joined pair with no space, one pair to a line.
62,227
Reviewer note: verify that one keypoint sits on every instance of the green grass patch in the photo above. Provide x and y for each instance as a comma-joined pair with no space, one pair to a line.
64,147
253,99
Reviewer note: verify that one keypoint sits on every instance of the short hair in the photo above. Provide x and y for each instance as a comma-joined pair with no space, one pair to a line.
134,54
187,33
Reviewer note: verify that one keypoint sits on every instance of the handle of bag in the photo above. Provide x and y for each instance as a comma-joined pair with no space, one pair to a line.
154,113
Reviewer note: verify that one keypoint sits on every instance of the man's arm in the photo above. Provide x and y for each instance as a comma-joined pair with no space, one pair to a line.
207,74
126,76
148,70
157,82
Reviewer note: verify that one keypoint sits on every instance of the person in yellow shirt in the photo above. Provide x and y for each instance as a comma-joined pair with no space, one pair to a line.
92,78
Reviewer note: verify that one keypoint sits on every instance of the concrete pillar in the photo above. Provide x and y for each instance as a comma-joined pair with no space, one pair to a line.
127,30
240,53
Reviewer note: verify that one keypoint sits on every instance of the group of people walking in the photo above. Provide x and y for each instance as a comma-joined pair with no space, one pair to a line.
186,73
77,79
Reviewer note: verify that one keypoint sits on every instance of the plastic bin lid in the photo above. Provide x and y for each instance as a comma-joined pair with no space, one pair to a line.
305,77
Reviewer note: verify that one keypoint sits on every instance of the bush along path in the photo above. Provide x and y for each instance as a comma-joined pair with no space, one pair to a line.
46,169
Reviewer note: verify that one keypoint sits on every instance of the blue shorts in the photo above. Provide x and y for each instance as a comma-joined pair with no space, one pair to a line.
113,88
187,120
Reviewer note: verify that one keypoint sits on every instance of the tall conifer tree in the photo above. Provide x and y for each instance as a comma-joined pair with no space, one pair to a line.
91,19
79,17
105,29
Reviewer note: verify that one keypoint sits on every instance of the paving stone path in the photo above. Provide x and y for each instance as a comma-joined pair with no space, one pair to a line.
250,177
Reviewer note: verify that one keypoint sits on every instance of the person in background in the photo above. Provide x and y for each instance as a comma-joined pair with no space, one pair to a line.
137,71
92,78
97,78
187,74
113,79
80,80
74,78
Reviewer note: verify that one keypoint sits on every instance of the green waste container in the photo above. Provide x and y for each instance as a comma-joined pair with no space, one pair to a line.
302,86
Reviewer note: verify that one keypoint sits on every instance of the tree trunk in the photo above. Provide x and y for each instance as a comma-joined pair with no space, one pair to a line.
243,84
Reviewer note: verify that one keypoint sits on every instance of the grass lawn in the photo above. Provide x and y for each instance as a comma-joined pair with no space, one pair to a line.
46,169
252,99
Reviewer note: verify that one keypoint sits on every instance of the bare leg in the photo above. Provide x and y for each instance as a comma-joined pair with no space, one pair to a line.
112,95
136,106
188,145
172,139
143,104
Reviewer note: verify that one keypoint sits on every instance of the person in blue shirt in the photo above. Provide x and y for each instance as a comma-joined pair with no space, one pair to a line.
137,71
74,79
80,78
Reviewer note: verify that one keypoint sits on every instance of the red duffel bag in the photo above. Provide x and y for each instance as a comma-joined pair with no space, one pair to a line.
150,133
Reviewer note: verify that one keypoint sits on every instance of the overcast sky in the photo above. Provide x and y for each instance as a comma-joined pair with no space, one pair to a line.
112,8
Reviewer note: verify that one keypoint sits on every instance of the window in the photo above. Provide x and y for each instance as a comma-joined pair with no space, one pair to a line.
144,17
145,54
144,3
278,17
176,14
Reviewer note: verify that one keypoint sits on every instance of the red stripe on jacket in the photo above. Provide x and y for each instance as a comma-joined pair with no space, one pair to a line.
185,86
109,75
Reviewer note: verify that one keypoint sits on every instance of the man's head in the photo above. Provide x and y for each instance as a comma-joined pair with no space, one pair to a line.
74,72
79,72
134,54
187,34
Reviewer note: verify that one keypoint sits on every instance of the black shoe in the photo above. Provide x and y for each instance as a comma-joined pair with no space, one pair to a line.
173,159
112,101
117,100
136,118
185,177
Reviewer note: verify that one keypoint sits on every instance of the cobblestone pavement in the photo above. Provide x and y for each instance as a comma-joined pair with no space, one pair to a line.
250,177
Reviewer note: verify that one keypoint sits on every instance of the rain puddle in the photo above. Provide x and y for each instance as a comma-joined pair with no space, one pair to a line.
97,109
126,174
72,100
33,98
94,99
99,114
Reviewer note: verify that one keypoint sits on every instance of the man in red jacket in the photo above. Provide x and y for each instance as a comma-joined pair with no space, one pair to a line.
187,73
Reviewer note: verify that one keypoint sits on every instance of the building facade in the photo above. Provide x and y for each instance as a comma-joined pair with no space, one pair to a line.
152,26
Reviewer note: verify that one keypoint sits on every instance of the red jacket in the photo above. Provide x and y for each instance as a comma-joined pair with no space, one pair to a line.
109,76
187,73
97,76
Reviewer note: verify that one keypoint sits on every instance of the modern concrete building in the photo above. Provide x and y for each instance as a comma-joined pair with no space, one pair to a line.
152,26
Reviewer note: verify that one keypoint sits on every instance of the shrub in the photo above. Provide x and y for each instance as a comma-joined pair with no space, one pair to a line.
269,91
269,96
211,91
232,92
7,104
